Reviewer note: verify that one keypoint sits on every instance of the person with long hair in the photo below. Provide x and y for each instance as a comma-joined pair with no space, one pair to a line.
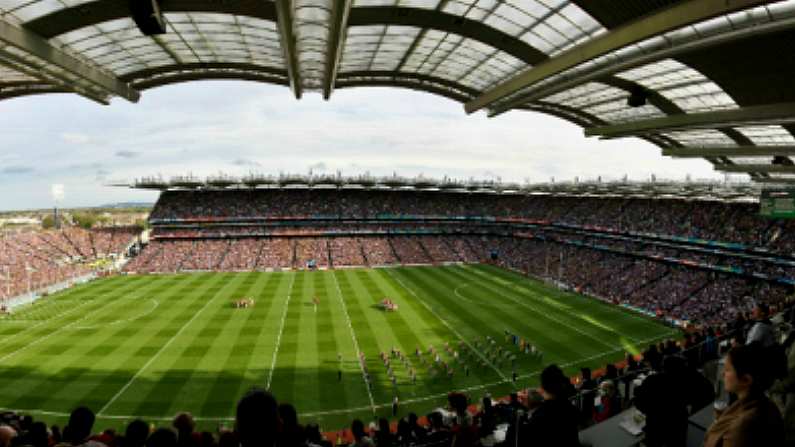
753,419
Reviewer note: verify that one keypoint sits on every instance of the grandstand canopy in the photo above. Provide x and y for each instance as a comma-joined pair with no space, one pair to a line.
708,78
657,189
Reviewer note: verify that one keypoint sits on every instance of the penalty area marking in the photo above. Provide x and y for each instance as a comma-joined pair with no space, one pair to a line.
126,320
62,328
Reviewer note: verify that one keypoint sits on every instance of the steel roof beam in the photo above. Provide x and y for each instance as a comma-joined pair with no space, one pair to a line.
728,151
776,180
748,168
746,116
677,16
284,19
644,59
338,30
24,49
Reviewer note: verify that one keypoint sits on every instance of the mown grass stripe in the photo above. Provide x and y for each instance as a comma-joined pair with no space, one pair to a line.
155,357
557,344
587,326
64,359
356,345
446,323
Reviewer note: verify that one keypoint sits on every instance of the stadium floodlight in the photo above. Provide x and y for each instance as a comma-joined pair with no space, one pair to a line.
57,192
57,195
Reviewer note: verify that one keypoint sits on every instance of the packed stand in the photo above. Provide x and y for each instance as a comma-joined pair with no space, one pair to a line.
35,260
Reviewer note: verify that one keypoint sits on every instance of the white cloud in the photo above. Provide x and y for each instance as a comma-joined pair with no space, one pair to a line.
236,128
75,138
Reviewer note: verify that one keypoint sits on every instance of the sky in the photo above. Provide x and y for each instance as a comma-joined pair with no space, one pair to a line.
236,128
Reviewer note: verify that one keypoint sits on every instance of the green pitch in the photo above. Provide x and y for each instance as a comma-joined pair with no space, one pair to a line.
150,346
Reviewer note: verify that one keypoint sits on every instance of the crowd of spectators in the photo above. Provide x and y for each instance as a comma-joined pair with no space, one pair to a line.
600,246
346,251
35,260
409,250
311,252
712,220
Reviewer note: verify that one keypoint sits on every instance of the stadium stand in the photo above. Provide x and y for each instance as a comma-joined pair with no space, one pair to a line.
35,260
667,257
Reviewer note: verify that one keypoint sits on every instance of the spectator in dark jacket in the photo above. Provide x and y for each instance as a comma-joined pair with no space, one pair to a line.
587,390
554,423
661,398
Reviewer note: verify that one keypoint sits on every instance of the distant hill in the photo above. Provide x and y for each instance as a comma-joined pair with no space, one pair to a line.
128,205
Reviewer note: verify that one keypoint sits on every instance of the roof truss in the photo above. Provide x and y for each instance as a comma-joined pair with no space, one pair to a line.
683,14
638,60
748,168
728,151
746,116
25,51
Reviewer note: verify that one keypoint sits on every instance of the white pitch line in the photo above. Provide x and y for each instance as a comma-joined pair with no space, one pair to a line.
281,329
126,320
355,342
157,354
543,314
60,329
452,329
624,311
40,322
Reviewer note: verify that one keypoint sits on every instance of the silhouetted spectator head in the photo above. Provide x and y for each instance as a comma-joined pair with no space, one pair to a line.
383,425
404,430
228,439
288,416
184,424
457,401
313,434
413,419
136,434
554,383
585,374
436,420
37,435
81,421
162,437
25,422
257,422
761,311
357,429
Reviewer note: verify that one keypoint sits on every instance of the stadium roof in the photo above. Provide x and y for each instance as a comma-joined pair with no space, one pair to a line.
698,190
709,78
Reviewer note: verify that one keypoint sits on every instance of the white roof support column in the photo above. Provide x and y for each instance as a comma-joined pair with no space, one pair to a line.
284,17
338,30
